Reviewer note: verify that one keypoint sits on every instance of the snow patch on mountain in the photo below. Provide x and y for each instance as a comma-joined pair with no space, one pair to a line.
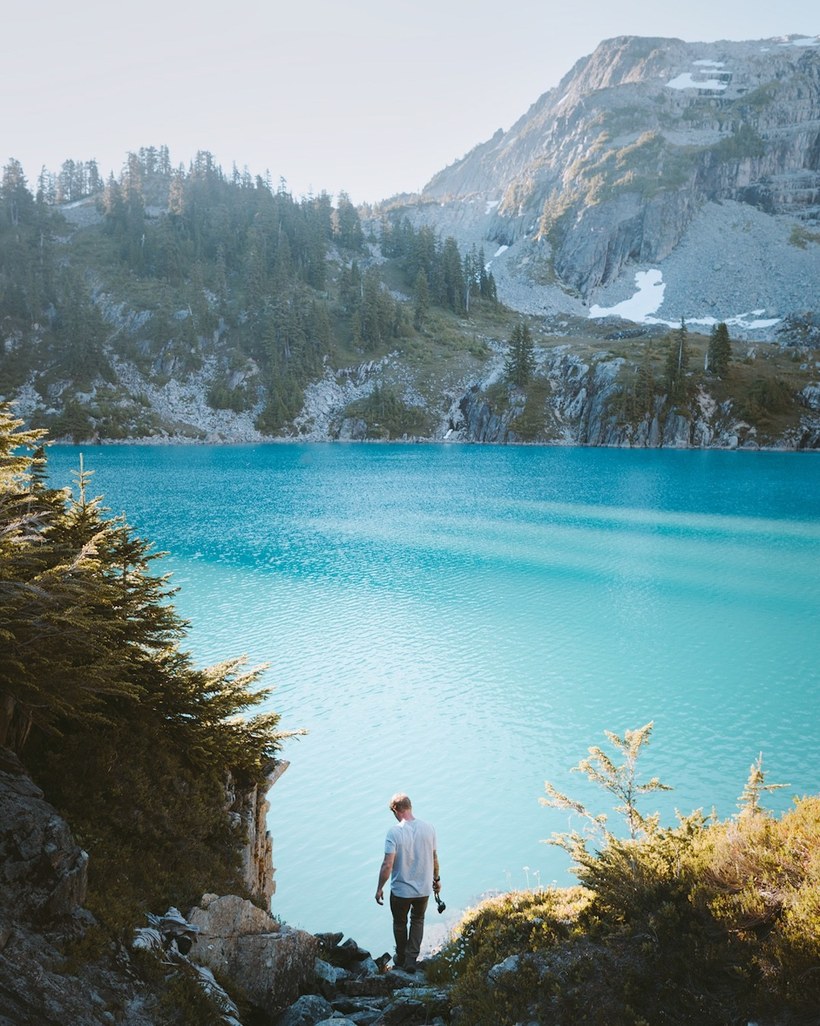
639,306
649,298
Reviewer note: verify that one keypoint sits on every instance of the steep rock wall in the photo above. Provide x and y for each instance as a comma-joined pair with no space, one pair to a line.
615,162
581,409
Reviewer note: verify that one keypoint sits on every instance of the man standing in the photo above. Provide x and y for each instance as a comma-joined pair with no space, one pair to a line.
411,864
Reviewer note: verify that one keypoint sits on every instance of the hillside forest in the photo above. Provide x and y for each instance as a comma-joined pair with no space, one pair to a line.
165,274
215,267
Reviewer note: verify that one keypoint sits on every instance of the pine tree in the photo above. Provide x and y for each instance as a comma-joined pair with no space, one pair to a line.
133,744
620,781
486,281
677,363
79,332
720,350
452,278
16,202
644,385
421,301
520,362
349,232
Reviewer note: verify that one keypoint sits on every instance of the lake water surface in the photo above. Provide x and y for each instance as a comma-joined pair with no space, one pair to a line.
462,622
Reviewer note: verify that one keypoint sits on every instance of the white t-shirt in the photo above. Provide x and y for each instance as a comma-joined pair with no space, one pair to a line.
413,842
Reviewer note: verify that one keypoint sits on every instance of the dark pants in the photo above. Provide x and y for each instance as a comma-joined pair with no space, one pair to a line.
408,944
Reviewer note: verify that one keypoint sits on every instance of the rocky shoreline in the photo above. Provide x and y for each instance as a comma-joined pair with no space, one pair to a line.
582,395
250,966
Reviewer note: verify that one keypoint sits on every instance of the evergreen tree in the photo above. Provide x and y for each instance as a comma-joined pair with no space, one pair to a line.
130,741
113,207
374,310
677,363
350,287
16,202
46,186
720,350
27,233
520,362
59,646
93,178
421,301
452,277
470,275
349,232
421,252
486,281
79,333
644,385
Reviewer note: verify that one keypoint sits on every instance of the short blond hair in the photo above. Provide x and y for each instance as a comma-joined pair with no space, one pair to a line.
400,803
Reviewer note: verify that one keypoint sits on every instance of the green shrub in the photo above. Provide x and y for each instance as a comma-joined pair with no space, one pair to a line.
801,237
522,922
530,424
705,922
185,1003
765,398
388,416
221,397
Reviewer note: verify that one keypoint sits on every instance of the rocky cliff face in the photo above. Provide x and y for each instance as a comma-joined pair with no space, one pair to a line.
42,888
580,410
250,811
610,171
47,976
580,403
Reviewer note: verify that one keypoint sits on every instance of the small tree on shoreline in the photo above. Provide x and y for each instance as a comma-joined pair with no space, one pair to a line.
620,781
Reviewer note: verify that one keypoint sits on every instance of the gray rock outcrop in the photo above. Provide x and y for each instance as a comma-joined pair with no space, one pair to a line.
37,852
270,964
581,408
249,809
42,887
611,169
351,986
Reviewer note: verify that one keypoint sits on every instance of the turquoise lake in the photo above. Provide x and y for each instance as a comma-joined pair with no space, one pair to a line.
463,622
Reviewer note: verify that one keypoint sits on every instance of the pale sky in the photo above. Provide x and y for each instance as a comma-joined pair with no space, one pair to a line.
368,96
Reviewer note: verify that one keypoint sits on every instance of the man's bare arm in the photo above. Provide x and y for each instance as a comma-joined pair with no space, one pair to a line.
384,876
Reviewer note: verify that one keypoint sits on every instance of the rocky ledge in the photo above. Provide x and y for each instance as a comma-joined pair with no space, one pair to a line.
55,968
291,978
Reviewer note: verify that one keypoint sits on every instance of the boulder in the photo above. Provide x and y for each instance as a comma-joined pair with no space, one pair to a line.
271,965
416,1006
352,429
306,1011
364,994
347,955
328,977
223,917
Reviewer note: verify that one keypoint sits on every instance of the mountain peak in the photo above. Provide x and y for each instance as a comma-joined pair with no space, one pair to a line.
612,170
